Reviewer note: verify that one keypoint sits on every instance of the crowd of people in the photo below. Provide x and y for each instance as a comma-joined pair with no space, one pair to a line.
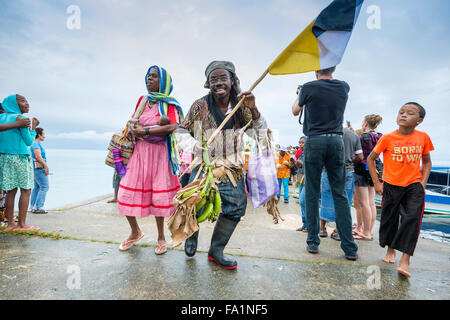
329,153
333,167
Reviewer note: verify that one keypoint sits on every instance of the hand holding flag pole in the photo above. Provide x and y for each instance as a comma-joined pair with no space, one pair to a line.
319,46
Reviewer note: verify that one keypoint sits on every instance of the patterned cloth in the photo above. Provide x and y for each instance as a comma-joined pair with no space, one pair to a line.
2,199
186,159
283,170
16,171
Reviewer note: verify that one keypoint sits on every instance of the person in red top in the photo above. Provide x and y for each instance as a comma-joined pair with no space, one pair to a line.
404,183
301,144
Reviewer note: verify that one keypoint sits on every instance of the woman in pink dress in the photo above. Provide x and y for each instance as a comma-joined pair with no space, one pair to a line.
151,182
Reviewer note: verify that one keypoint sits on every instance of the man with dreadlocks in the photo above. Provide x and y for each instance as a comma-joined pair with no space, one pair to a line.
151,181
204,117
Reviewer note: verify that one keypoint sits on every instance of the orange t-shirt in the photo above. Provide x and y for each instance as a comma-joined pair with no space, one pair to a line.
402,155
284,171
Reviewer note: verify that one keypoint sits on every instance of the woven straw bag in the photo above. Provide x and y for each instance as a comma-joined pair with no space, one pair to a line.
125,144
126,148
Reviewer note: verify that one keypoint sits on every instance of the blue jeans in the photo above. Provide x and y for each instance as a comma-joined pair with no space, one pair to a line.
327,212
328,152
301,200
40,189
285,183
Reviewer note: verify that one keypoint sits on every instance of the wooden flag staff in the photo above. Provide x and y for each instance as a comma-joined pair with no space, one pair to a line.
211,139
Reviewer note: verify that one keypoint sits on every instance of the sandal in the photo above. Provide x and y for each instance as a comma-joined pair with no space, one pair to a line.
10,228
127,244
335,236
361,236
323,233
161,248
28,228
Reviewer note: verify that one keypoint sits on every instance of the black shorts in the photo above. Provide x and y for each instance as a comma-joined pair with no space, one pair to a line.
362,181
408,204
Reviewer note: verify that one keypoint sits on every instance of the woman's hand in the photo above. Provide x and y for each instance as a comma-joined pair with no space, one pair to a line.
47,170
35,123
22,122
138,130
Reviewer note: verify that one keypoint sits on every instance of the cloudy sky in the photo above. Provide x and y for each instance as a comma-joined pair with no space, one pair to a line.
83,83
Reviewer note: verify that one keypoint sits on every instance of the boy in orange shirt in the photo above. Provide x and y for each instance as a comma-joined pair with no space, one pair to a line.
404,184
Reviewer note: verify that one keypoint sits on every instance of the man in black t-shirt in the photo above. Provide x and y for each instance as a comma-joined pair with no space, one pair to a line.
324,102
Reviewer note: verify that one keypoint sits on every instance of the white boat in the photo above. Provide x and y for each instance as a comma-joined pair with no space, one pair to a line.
437,193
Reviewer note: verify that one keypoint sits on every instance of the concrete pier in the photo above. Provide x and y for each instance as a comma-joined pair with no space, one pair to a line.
76,256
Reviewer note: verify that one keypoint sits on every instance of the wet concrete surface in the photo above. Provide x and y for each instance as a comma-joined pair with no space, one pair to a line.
36,268
273,263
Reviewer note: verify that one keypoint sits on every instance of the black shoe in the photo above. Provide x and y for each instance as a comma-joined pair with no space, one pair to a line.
312,248
221,235
351,257
190,245
286,201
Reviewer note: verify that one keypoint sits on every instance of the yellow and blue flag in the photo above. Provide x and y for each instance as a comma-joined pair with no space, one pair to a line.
322,44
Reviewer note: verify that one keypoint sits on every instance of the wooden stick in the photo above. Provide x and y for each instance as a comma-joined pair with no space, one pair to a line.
211,139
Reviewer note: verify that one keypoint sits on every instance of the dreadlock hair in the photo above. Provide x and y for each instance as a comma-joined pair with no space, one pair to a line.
238,117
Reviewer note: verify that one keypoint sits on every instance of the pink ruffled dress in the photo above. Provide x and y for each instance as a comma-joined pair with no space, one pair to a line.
148,187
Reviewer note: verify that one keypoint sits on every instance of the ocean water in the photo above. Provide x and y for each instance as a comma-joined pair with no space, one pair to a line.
77,175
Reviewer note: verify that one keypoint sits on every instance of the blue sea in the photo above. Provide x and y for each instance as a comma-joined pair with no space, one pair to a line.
78,175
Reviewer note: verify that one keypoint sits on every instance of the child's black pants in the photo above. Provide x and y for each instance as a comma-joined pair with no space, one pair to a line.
406,203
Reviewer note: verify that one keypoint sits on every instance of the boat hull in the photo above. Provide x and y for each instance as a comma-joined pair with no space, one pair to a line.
434,203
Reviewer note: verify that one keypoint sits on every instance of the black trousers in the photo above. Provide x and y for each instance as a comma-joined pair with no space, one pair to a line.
406,203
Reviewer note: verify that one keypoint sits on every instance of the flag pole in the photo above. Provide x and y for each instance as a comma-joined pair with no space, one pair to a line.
211,139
